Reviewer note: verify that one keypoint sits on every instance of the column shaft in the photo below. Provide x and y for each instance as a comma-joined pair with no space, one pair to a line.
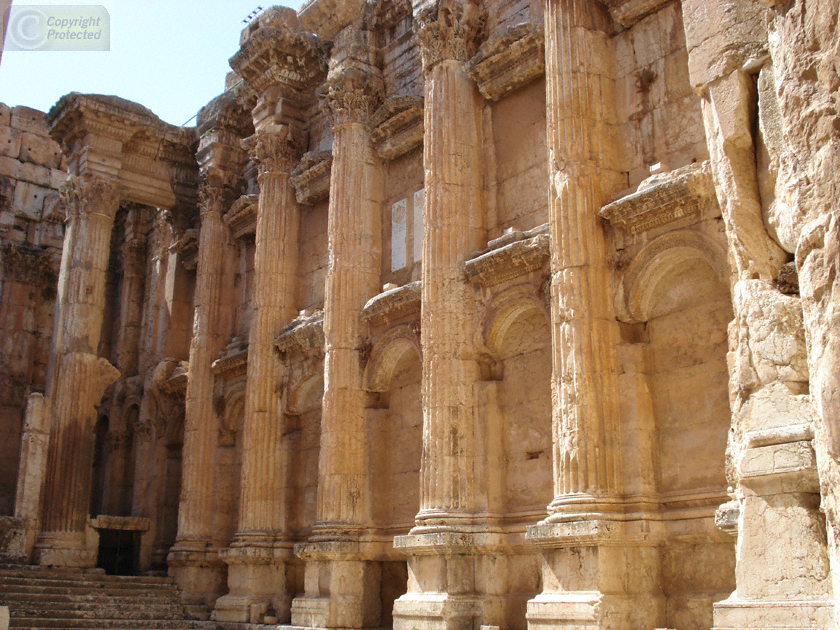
195,513
262,508
352,278
453,230
585,413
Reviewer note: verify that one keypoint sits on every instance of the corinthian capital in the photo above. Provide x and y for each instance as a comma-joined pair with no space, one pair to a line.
351,96
217,189
449,29
90,194
275,148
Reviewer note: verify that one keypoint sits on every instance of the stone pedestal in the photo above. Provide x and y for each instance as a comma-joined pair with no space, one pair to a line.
79,377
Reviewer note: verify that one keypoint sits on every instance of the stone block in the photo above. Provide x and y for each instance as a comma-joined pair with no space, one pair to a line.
29,120
5,115
35,174
4,618
39,150
10,142
29,200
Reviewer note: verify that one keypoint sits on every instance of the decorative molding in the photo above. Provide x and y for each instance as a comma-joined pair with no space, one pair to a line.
397,126
242,216
513,255
394,304
509,60
305,333
663,199
449,29
232,361
311,177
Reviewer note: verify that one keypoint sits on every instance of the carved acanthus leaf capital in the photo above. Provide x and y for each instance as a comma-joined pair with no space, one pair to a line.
217,190
449,29
351,96
275,148
82,194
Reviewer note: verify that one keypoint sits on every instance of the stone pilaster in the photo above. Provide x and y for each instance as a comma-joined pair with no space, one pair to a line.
198,570
131,292
583,533
348,98
78,376
446,547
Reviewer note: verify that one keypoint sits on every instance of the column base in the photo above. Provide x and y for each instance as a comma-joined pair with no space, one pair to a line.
201,576
341,587
595,575
733,613
256,584
67,549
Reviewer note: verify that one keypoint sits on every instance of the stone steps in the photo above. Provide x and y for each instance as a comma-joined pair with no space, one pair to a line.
79,600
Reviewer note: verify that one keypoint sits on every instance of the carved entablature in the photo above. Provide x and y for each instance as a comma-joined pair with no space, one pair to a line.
242,216
511,256
663,199
392,305
628,12
176,384
233,360
397,126
187,248
304,334
449,29
275,50
509,60
351,96
311,177
84,194
275,148
153,161
25,263
389,13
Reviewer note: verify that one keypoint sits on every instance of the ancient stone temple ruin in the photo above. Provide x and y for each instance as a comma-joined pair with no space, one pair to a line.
446,314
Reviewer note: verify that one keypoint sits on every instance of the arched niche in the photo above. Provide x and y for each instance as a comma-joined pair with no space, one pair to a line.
395,425
517,338
229,461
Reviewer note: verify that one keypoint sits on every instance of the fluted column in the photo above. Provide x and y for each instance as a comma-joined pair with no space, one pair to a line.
585,410
261,513
195,513
78,376
352,278
453,226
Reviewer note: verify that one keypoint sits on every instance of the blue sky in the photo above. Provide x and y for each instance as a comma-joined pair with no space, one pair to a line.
170,56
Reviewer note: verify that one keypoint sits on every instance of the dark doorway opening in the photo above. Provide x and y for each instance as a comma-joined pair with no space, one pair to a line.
119,551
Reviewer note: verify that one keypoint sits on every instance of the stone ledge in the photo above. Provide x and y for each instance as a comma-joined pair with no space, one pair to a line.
232,360
509,60
393,304
311,177
305,333
397,126
129,523
513,255
663,199
242,216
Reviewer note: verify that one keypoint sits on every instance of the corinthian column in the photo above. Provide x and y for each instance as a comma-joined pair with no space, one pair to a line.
196,572
256,571
78,376
585,411
352,279
453,222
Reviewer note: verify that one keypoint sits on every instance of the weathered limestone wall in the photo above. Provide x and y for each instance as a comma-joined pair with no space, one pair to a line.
31,233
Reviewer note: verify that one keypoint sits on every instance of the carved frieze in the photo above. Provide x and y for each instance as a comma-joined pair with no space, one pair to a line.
311,177
394,304
304,334
513,255
242,216
663,199
509,60
397,126
449,29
